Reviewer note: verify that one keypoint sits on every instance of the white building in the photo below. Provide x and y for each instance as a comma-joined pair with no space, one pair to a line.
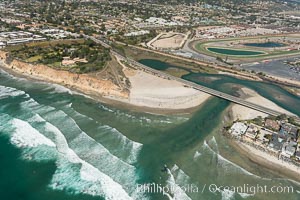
137,33
289,149
238,129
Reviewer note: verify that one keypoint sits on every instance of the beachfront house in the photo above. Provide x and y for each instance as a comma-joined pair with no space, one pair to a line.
298,155
252,131
275,144
264,136
289,149
288,131
238,129
272,124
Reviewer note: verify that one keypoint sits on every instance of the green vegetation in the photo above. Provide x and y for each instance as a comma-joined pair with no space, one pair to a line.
133,40
176,72
281,117
258,121
91,56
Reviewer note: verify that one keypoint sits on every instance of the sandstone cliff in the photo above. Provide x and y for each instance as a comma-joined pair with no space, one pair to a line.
83,82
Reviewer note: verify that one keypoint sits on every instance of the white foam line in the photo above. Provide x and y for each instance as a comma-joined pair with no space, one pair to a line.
32,105
176,191
136,147
197,155
213,142
9,92
221,158
101,150
111,189
58,88
73,157
245,195
227,194
140,119
92,139
26,136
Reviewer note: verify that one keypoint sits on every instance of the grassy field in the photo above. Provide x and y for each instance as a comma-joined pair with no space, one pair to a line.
82,56
44,44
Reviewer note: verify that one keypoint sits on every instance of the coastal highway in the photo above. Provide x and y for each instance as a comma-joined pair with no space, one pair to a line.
193,85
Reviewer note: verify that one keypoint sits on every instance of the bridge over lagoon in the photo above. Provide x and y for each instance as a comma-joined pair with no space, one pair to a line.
201,88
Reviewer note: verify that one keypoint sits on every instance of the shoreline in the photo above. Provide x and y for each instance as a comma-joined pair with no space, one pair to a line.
263,159
270,162
251,153
112,100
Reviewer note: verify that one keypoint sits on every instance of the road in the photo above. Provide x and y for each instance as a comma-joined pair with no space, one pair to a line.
194,85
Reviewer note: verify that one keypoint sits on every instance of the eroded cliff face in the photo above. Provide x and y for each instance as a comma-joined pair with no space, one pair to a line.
83,82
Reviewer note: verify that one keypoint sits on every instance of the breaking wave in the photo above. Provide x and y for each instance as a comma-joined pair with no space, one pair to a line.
177,179
83,164
229,166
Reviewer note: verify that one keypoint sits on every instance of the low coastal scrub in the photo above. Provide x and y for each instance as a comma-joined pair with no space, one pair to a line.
78,56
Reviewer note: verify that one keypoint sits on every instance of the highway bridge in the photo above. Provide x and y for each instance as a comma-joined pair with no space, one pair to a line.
194,85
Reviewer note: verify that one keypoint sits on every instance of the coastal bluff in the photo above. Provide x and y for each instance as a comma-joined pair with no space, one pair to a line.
146,92
85,83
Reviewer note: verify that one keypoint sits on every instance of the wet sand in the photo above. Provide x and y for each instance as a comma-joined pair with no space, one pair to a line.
283,169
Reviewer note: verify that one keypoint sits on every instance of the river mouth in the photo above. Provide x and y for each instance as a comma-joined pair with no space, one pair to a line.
234,52
101,145
226,84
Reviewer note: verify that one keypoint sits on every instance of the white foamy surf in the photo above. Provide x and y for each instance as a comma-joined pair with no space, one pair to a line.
229,166
58,88
9,92
176,191
130,149
89,179
197,155
26,136
106,186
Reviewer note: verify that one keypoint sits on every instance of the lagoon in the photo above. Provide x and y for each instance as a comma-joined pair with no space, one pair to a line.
116,147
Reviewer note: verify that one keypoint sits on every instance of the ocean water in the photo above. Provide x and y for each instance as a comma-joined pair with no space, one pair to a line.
58,144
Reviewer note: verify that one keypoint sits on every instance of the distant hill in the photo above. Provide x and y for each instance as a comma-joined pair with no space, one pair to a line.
211,2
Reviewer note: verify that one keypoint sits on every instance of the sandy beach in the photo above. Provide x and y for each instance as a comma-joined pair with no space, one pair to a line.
244,113
155,92
269,161
262,158
148,93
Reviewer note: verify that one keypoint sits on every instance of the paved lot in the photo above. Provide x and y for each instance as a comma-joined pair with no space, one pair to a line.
275,67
